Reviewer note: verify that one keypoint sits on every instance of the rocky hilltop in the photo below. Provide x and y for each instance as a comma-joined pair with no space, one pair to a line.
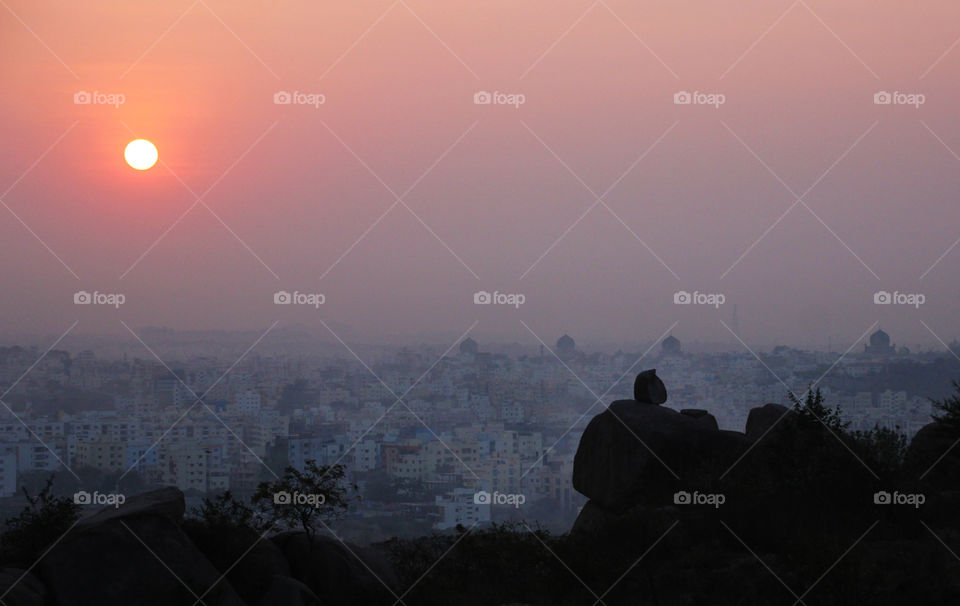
140,553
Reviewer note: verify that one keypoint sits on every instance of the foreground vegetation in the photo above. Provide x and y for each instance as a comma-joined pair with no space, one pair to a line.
800,521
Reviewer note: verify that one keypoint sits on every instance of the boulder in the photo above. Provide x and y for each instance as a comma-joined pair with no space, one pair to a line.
762,418
135,554
630,453
935,453
289,592
20,588
165,503
592,520
249,560
339,572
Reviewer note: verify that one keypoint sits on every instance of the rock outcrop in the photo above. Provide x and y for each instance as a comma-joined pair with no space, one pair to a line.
635,451
143,553
134,554
637,454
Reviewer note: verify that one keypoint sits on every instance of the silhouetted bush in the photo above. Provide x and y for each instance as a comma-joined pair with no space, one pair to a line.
950,410
43,521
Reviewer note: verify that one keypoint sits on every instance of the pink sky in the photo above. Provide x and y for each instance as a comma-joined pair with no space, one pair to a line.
398,80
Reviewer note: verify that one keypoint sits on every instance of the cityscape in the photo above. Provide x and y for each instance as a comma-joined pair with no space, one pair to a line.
427,438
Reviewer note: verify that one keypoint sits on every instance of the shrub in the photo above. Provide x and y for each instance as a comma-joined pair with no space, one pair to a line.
304,498
42,522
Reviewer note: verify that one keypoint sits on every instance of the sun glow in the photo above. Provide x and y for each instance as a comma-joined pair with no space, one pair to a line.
141,154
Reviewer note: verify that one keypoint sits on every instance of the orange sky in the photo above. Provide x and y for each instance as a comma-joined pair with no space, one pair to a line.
398,81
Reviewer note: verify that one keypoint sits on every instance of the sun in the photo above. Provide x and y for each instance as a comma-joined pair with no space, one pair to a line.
140,154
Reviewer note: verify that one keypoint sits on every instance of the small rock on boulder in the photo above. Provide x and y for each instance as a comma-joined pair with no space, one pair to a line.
648,388
704,417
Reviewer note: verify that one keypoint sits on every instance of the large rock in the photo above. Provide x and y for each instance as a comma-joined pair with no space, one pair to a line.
20,588
594,519
250,561
630,453
136,554
165,503
339,573
934,453
763,418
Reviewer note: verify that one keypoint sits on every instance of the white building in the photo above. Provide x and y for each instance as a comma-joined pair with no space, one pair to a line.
458,507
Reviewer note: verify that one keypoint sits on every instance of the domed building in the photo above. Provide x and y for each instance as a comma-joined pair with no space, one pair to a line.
469,346
670,346
566,346
880,345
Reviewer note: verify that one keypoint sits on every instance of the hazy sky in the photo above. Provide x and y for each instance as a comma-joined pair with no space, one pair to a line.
503,198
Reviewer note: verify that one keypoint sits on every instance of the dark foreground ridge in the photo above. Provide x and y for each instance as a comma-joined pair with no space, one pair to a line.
796,509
